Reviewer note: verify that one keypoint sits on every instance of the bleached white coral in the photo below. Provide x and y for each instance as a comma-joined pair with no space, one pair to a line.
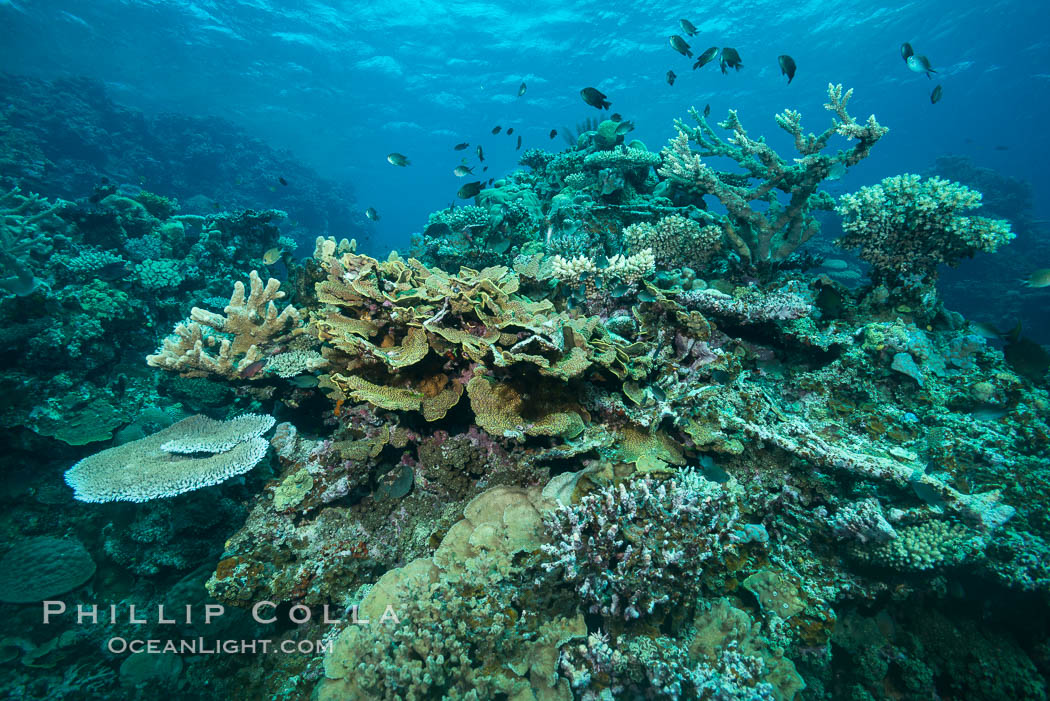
570,269
169,462
631,269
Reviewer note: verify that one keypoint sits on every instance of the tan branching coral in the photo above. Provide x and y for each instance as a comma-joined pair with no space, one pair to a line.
767,234
231,345
325,248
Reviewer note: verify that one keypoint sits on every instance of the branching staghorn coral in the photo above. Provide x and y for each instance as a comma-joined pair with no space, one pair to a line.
750,307
984,510
623,566
20,220
675,241
233,345
770,234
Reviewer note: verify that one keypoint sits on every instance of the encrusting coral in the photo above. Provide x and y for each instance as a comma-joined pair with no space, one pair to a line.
466,586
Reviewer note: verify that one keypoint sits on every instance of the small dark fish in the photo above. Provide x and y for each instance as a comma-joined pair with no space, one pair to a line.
372,214
439,229
491,180
460,171
928,494
510,131
215,206
920,64
935,96
518,147
680,45
484,169
495,130
521,89
906,51
707,110
469,190
616,117
1000,147
670,77
624,127
1028,358
687,27
554,132
253,369
461,147
481,154
595,98
713,472
730,59
787,66
706,58
397,159
283,181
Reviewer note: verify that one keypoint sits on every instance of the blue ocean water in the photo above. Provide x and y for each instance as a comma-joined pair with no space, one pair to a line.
344,84
858,475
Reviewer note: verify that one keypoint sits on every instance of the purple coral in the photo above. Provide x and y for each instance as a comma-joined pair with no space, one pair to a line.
627,549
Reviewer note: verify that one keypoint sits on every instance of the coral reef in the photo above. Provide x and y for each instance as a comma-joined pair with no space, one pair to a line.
63,137
590,439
